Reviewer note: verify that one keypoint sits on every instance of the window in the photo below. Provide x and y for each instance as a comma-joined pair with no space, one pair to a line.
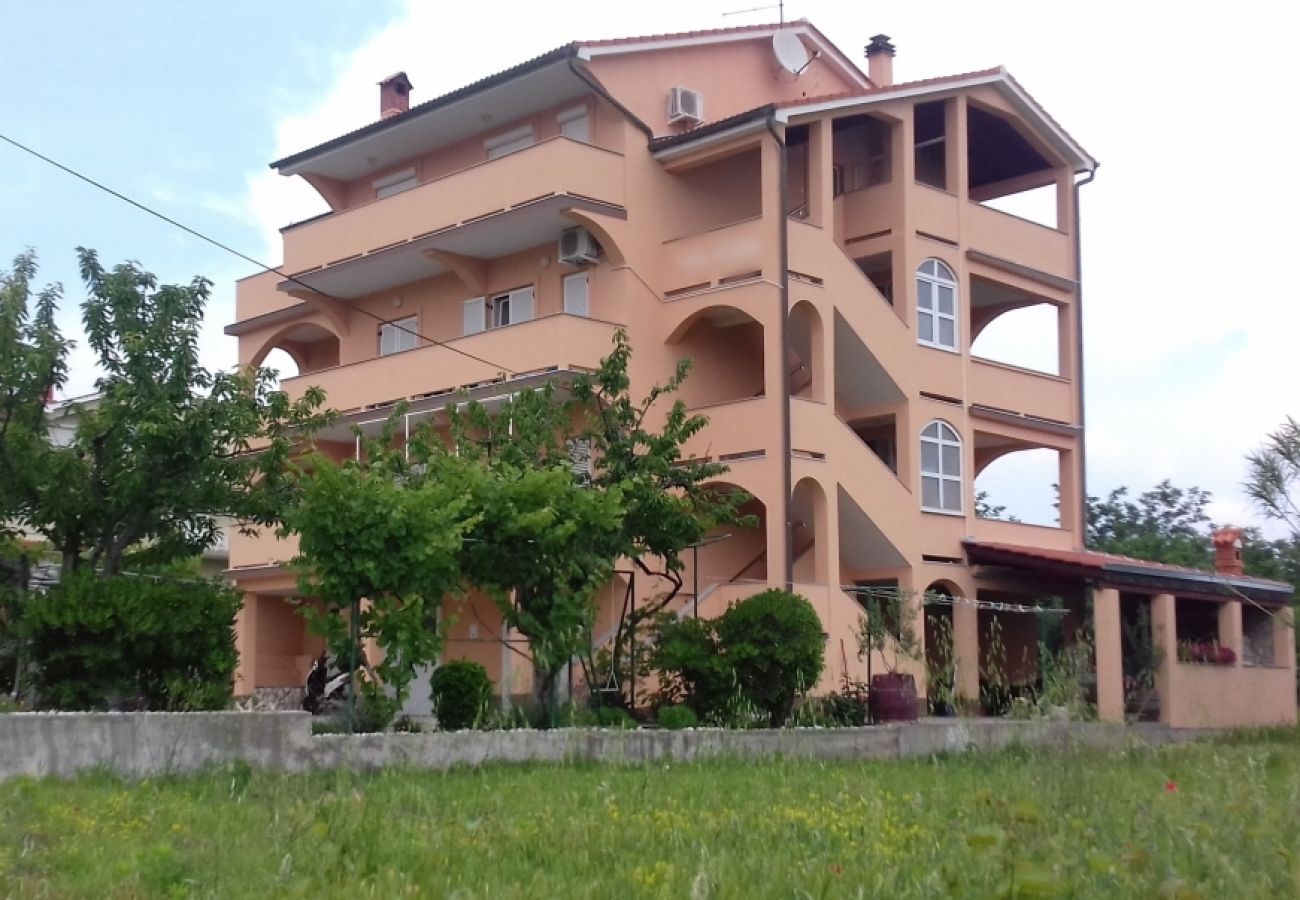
510,142
475,315
575,294
575,124
512,307
398,335
936,306
941,468
1257,635
395,183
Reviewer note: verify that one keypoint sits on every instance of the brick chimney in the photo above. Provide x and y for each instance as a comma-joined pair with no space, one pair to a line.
880,60
1227,551
394,95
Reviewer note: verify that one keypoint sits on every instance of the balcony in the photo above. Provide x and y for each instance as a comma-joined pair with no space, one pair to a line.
737,430
560,170
1018,390
1018,240
549,343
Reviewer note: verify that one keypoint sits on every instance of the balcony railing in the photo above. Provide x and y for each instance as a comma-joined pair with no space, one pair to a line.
556,166
1012,388
1019,240
551,342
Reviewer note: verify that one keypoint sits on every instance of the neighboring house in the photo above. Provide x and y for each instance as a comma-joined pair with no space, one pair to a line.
818,240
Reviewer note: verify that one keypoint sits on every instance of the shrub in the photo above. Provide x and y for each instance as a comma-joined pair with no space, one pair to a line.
675,718
461,693
614,717
132,643
691,667
773,643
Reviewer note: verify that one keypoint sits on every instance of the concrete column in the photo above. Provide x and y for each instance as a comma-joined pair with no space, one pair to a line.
1164,632
955,171
1071,510
1109,656
821,165
1230,628
966,647
246,646
1064,200
1284,638
828,537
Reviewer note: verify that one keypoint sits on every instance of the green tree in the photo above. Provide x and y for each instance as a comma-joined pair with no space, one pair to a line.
1164,524
379,545
544,538
164,450
33,364
669,501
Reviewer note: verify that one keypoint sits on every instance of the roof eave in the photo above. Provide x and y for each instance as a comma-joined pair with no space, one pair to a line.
297,162
1078,158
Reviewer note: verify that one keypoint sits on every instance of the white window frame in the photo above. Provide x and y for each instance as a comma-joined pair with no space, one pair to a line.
396,183
942,277
572,305
404,332
508,142
506,304
570,116
943,436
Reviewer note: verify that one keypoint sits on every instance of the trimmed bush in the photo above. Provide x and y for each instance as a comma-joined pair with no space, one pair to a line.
132,643
756,658
675,718
614,717
461,693
773,643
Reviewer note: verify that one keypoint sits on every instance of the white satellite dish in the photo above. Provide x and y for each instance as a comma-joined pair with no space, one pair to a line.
790,52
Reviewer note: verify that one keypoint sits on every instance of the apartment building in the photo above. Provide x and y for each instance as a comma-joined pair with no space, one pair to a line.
823,243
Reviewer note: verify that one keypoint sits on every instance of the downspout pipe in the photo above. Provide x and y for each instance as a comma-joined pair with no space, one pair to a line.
783,253
1078,356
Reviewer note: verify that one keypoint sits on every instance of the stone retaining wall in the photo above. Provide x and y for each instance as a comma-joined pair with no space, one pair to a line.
150,744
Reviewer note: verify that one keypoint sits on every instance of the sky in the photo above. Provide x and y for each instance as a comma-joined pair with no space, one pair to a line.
1189,332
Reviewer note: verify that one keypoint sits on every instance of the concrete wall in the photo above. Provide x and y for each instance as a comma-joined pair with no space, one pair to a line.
150,744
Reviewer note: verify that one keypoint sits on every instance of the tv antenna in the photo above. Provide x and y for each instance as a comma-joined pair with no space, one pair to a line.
779,6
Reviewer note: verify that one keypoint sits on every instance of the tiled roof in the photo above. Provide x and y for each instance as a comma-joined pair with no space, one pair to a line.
522,68
688,35
1102,563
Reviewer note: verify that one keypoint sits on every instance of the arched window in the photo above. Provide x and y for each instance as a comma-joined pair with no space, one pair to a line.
936,305
941,489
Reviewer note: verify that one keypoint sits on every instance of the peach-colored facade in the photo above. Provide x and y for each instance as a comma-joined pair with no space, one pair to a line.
818,243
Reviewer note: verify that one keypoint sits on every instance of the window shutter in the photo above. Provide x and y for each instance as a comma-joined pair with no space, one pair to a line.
576,127
580,459
387,340
575,294
475,315
521,305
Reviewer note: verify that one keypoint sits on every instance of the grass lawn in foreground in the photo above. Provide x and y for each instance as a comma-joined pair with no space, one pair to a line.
1215,820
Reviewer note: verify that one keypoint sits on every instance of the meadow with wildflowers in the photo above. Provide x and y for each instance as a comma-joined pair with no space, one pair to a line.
1214,819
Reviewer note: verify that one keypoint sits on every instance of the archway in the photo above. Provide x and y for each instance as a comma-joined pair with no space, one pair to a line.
725,346
805,357
310,347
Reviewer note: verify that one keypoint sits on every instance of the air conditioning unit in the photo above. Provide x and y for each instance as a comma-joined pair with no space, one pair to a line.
578,247
685,105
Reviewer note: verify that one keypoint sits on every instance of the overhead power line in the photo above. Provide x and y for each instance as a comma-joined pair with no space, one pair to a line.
244,256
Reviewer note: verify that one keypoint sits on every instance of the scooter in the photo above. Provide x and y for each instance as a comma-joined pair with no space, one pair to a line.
325,695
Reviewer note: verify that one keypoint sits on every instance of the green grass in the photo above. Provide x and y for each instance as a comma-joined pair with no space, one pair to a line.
1014,824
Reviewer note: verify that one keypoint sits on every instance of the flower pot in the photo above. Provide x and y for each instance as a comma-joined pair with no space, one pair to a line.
893,698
